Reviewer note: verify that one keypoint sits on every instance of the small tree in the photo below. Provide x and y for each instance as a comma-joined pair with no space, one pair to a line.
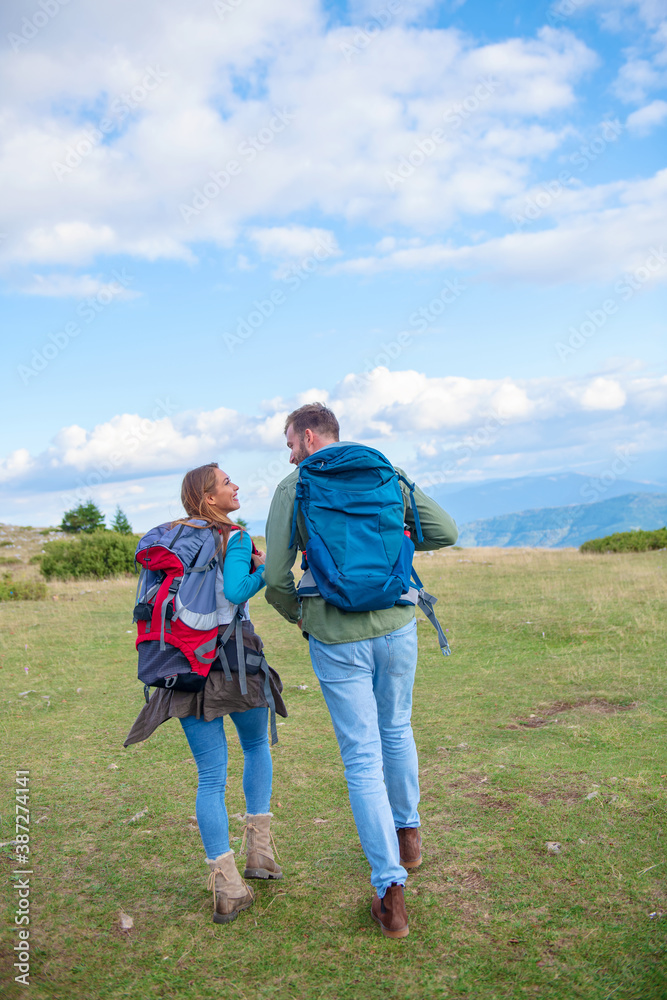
85,517
241,522
120,523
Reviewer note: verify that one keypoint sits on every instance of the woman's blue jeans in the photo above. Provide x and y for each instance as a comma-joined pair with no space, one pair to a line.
208,744
367,686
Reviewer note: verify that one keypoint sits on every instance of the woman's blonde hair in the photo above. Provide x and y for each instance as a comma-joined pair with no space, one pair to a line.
196,484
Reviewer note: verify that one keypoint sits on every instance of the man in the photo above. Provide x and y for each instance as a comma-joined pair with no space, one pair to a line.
365,662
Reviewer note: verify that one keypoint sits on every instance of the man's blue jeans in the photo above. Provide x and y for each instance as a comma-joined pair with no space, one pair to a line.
208,743
367,686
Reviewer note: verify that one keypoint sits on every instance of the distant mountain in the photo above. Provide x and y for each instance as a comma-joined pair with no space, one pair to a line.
557,527
506,496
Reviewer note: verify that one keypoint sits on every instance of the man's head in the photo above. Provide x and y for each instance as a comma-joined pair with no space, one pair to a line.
308,429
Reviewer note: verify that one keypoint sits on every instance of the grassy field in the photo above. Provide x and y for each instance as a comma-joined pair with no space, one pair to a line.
547,724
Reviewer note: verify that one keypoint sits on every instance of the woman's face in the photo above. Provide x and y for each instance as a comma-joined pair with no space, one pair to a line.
223,497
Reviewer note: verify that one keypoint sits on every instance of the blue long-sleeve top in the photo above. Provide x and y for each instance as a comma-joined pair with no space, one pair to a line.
240,584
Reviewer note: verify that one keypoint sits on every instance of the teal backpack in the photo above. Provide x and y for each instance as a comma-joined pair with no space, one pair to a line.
358,554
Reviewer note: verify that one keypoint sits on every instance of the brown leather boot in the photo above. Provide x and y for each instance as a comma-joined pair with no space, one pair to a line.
410,846
390,913
230,893
258,839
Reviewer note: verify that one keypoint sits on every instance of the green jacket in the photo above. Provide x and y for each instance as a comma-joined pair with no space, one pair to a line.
325,621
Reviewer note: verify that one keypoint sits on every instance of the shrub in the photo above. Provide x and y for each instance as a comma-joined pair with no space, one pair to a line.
85,517
21,590
100,554
9,560
628,541
2,544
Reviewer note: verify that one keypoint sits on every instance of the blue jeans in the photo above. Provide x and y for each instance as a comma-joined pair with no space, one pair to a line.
367,686
208,744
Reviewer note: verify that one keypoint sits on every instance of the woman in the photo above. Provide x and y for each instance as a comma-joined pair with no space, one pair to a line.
208,494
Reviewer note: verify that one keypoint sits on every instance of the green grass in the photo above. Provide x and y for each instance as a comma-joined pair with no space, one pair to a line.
555,691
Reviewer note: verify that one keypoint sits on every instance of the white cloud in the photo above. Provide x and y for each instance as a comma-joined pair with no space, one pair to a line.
627,221
395,409
647,118
603,394
71,286
293,242
189,160
636,78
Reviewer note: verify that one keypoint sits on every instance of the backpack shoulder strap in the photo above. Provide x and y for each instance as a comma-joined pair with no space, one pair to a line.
415,512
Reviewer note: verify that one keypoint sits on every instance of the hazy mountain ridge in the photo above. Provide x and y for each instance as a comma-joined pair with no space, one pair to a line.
560,527
492,498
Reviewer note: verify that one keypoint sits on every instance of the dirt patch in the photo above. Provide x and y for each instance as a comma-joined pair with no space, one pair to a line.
474,881
600,705
454,879
489,801
466,780
569,796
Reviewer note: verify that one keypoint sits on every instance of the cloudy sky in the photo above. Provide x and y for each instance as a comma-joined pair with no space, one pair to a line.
447,219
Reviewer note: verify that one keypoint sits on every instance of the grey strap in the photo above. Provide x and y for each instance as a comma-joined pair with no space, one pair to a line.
206,647
268,694
222,656
235,625
425,602
139,583
221,650
240,656
173,589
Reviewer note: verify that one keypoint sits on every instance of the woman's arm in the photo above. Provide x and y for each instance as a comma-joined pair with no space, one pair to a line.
240,583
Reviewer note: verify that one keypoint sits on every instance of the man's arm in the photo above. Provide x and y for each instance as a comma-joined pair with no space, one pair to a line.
280,590
439,529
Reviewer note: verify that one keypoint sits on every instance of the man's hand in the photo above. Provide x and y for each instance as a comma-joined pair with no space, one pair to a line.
258,558
300,623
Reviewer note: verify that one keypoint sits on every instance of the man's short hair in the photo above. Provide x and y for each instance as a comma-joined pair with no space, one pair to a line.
315,417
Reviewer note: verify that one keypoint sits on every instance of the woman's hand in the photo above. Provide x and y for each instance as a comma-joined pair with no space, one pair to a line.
258,558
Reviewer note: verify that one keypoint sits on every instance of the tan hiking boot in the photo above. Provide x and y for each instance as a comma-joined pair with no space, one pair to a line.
258,839
410,846
390,913
230,893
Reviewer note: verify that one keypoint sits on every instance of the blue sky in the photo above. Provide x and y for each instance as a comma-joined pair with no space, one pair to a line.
445,219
